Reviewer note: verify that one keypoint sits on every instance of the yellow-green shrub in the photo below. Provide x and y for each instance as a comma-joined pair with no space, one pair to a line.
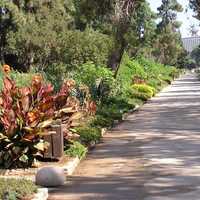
143,91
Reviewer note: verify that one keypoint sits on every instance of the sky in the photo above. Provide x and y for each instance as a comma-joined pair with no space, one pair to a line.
186,18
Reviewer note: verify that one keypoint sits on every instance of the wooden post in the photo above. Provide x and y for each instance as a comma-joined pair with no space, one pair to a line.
56,143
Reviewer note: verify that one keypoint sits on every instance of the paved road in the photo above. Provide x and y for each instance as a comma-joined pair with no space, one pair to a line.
153,155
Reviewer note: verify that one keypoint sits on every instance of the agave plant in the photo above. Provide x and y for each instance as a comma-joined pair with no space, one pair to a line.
27,113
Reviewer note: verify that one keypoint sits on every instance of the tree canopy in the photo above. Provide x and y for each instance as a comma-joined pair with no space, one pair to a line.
39,33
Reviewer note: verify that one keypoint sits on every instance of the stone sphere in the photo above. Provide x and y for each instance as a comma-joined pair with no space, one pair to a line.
50,177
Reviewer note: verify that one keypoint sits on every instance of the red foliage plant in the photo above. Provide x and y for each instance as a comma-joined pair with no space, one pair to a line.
25,115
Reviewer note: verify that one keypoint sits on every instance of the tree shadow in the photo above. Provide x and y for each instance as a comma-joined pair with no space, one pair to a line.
153,155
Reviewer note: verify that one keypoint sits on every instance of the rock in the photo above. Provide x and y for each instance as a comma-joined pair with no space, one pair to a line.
50,177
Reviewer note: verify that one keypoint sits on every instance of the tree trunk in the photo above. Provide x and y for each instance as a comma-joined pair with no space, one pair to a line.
118,52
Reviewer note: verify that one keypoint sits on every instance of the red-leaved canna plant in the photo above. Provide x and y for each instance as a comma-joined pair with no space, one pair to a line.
27,113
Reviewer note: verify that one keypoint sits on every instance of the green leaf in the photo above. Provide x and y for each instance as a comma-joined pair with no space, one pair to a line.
41,146
24,158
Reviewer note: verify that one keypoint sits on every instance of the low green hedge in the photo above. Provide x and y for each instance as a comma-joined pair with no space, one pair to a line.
89,134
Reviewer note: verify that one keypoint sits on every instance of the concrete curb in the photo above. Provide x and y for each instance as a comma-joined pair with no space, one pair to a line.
71,165
125,115
42,194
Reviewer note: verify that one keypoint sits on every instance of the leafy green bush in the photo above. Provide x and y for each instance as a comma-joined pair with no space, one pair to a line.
55,73
174,72
89,134
16,188
100,80
143,91
128,70
21,79
111,111
102,121
76,149
79,47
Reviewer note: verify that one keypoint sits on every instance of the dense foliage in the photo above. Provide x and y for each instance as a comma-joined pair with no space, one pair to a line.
28,112
42,34
113,53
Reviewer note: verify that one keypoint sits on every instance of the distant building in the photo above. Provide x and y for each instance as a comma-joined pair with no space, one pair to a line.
190,43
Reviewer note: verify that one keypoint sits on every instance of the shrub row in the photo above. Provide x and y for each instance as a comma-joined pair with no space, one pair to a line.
137,81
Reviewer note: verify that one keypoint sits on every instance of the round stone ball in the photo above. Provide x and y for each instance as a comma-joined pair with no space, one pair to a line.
50,177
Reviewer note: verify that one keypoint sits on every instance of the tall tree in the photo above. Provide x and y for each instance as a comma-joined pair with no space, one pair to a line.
112,17
168,45
195,5
141,32
31,29
124,10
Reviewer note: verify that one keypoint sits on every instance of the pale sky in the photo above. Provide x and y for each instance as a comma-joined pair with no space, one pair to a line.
185,18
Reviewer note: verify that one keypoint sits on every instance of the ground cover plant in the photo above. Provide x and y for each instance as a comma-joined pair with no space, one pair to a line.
16,189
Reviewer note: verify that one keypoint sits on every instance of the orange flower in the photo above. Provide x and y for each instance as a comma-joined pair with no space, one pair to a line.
37,79
32,116
6,69
37,82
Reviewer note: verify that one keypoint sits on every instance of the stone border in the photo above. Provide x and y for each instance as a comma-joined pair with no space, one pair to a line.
42,194
71,165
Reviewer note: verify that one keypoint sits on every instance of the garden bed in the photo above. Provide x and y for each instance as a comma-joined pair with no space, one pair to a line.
17,189
30,173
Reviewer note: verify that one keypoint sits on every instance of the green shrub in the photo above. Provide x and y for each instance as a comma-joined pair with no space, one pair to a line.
128,69
76,149
143,91
158,71
112,111
16,188
102,121
89,134
21,79
79,47
56,73
100,80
